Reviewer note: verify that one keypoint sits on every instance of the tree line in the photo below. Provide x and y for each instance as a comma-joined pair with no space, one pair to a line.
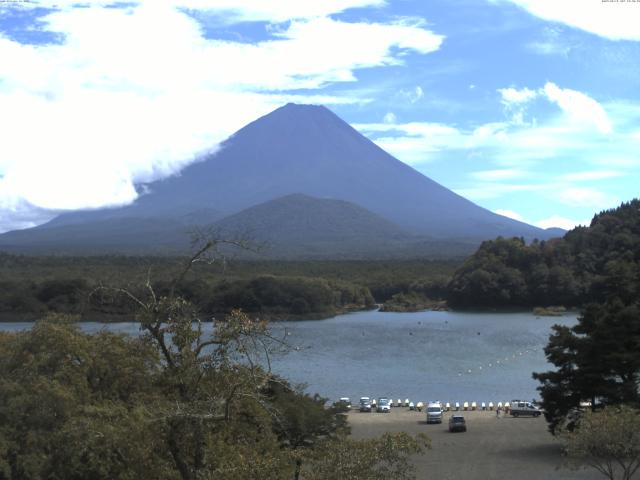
33,286
588,264
591,398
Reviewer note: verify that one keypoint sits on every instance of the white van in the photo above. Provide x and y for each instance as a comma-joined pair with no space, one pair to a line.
434,412
521,407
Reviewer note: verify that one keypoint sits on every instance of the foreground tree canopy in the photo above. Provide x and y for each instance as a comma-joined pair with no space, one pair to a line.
175,402
608,441
597,361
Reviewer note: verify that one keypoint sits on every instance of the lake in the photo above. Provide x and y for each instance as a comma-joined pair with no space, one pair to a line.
447,356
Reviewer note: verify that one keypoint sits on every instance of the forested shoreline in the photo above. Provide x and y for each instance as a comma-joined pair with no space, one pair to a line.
589,264
34,286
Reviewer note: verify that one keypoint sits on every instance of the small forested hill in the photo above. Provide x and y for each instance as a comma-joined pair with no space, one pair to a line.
300,225
587,264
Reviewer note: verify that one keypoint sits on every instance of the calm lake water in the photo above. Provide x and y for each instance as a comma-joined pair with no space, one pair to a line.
448,356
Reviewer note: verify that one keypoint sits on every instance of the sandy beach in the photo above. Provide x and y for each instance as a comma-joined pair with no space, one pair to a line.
492,448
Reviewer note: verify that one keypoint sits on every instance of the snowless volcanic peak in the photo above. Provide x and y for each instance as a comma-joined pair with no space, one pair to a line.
299,149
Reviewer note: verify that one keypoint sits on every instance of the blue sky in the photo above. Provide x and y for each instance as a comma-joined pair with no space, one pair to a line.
528,108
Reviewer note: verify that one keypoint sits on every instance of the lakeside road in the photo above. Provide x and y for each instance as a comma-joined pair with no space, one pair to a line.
491,449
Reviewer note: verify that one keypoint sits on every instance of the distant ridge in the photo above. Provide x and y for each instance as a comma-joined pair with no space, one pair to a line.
296,149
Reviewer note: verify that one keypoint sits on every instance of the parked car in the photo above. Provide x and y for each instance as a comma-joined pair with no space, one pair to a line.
365,404
344,402
522,408
457,423
434,412
384,405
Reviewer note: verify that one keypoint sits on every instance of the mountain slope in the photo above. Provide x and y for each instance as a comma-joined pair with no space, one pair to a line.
308,149
295,149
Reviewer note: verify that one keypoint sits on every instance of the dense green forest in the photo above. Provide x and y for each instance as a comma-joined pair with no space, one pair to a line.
588,264
31,286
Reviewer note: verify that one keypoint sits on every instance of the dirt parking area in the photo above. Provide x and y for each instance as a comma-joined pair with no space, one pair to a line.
491,448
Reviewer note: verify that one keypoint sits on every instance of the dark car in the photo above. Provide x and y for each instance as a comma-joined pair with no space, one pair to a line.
457,423
365,404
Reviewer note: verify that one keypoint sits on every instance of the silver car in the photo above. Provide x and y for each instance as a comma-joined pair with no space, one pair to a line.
384,405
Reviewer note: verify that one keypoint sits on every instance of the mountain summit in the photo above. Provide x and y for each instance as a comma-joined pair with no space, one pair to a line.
302,149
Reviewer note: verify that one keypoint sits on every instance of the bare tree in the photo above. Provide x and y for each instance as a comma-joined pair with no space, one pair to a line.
207,371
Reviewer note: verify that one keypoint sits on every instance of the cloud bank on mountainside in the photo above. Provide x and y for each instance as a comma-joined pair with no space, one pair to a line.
116,101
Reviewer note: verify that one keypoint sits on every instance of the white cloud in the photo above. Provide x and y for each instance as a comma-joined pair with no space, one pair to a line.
517,145
413,95
419,93
496,175
84,120
390,117
233,10
556,221
491,190
509,214
552,41
551,158
579,107
587,197
280,11
415,142
514,96
612,20
549,48
592,175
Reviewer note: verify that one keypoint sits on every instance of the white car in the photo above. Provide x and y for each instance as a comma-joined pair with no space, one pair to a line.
384,405
434,412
